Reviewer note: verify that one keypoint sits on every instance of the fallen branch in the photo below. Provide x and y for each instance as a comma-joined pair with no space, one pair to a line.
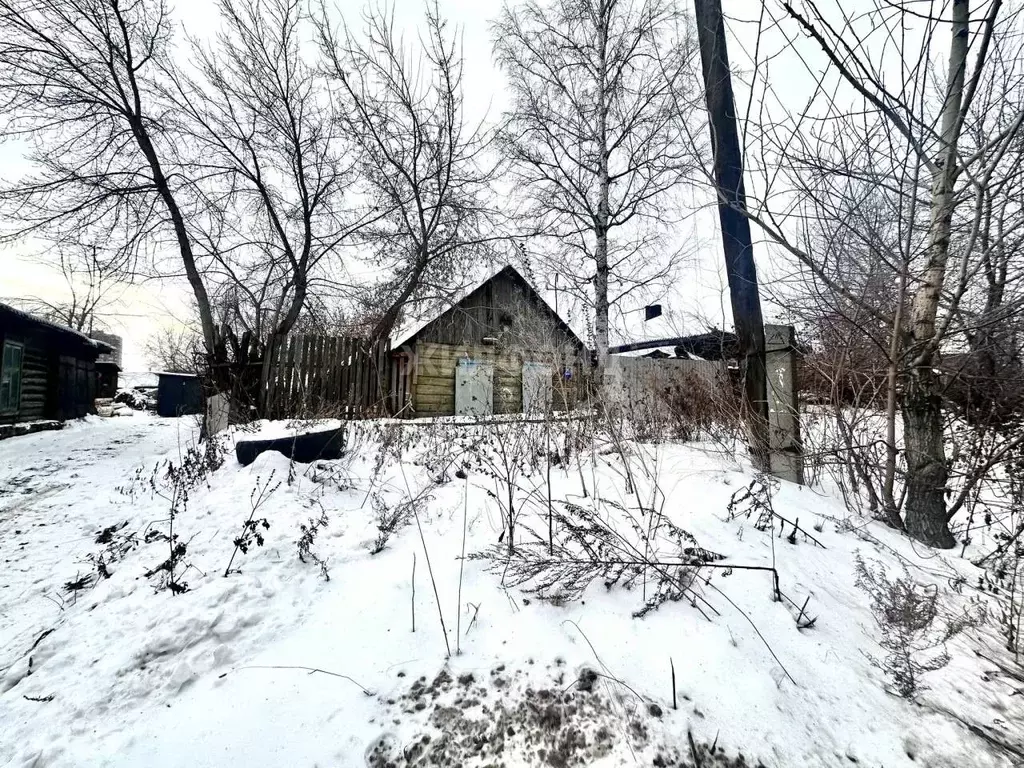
40,638
310,670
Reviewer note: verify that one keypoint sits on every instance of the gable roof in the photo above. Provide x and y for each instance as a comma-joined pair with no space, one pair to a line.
409,333
21,317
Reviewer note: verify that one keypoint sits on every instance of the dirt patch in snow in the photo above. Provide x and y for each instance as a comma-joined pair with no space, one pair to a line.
510,718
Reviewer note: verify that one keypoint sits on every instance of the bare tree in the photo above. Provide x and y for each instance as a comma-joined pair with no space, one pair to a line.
270,157
77,83
235,155
94,277
422,165
594,133
933,148
175,350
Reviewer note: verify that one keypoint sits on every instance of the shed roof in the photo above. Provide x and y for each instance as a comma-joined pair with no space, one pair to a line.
12,313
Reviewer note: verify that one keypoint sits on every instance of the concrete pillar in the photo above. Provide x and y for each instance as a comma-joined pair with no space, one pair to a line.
783,408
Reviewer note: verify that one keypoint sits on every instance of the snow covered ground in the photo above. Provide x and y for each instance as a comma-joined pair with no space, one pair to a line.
101,666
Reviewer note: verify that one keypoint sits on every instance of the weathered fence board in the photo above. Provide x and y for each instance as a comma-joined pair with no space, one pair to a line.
331,377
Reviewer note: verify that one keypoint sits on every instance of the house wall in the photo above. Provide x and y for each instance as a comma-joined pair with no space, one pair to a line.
487,312
36,397
433,377
75,388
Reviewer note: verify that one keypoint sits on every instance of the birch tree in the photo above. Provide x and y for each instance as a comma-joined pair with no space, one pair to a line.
593,133
921,104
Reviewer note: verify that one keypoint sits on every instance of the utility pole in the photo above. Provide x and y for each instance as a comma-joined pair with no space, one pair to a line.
736,240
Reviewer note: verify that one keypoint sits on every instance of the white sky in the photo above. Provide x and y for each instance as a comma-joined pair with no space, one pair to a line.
700,295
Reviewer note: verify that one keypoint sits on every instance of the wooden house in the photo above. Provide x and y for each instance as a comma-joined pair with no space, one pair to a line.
499,348
48,370
108,364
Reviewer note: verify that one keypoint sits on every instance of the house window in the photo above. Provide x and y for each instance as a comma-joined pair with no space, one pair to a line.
10,378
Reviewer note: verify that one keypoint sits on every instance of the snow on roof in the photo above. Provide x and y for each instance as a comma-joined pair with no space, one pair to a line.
54,326
670,351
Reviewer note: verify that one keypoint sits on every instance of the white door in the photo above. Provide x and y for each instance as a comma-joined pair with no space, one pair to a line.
474,388
537,383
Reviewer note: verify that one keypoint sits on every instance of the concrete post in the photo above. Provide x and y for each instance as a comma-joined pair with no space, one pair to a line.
783,409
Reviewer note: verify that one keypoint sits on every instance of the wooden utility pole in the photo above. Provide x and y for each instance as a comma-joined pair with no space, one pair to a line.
736,240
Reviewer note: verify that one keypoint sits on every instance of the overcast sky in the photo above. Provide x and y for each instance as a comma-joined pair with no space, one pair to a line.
698,297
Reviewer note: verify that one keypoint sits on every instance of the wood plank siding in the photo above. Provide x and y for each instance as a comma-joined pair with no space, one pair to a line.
433,392
57,372
35,371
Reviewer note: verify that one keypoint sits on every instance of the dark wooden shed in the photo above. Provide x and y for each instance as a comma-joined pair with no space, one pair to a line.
500,348
178,394
48,370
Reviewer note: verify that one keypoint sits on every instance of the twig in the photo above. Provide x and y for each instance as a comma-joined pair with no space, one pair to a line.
42,699
672,665
413,601
462,565
752,624
802,609
430,569
476,611
608,673
311,670
59,605
433,582
698,763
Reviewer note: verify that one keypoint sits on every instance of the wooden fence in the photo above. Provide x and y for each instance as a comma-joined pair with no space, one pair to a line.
639,378
331,377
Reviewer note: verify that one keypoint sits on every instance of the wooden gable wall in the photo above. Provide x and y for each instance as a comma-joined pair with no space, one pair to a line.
503,308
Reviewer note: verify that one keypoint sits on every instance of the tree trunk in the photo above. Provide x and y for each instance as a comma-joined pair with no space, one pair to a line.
382,329
890,509
926,465
736,239
603,192
927,470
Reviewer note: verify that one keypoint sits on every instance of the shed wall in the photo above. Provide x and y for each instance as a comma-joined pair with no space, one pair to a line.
58,368
36,396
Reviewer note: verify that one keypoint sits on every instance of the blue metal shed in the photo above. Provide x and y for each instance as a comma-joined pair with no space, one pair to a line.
178,394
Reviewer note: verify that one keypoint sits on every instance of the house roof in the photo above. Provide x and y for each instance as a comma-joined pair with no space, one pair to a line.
409,332
12,313
712,345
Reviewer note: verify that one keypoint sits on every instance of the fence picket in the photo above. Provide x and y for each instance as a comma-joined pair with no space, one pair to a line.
305,375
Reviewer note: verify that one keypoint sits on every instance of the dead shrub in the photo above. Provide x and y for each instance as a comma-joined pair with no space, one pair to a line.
696,409
913,629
